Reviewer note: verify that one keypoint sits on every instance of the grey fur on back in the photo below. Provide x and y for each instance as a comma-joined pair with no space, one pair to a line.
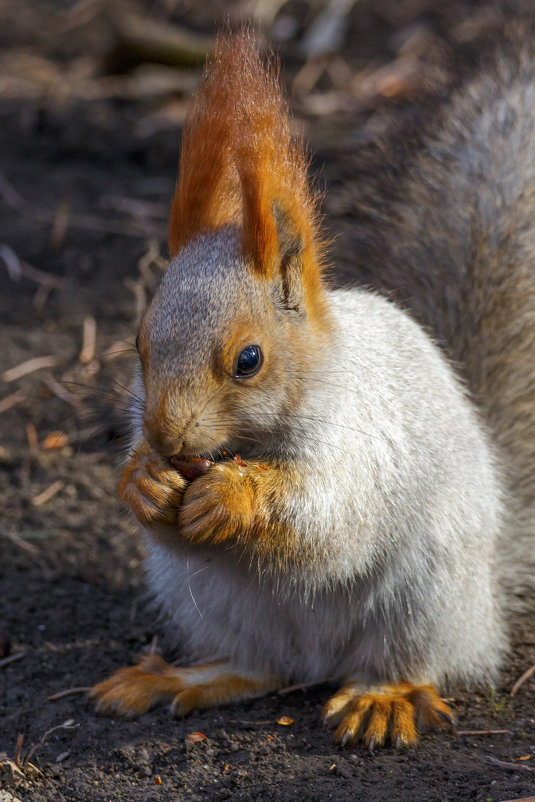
455,244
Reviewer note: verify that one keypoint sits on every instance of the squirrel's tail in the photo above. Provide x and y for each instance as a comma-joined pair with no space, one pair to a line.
455,243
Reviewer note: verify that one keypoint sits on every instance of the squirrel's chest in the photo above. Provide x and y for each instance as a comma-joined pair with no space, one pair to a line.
218,610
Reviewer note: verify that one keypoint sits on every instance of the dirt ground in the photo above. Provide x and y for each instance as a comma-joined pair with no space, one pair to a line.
89,141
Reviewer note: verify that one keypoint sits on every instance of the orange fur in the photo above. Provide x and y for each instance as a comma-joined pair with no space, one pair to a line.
235,503
229,502
138,688
238,159
394,711
151,487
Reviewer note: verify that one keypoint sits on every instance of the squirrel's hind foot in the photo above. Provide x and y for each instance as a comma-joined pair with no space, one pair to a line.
395,712
136,689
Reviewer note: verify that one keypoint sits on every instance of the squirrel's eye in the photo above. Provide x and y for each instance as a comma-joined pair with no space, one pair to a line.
249,362
137,342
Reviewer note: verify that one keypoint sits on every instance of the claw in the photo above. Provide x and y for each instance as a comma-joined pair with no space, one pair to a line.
447,718
386,711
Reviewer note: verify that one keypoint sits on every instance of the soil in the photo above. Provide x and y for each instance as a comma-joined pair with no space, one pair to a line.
72,602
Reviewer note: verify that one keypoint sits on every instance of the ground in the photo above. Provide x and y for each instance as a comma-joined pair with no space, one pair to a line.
88,166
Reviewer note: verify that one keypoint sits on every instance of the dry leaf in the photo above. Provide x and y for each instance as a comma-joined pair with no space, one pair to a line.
195,737
55,440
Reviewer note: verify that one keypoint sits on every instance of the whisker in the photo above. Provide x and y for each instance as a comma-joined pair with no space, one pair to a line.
187,579
190,591
225,421
130,393
335,447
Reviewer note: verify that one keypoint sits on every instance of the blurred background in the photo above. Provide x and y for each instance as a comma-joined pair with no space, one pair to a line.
93,96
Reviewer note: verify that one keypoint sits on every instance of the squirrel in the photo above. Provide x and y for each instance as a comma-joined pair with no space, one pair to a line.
325,493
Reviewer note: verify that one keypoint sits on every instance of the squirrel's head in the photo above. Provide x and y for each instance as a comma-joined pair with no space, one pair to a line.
241,312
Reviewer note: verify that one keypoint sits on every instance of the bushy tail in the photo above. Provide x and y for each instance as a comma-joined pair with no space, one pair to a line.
456,244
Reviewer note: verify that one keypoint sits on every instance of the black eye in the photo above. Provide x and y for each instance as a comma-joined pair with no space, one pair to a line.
137,342
249,362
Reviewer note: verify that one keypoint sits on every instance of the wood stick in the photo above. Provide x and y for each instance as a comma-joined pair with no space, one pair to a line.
30,366
89,340
68,692
33,442
521,799
48,494
520,681
483,732
502,764
12,658
11,400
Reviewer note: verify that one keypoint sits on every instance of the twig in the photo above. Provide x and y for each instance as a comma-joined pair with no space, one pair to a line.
302,686
66,725
502,764
68,692
48,494
60,226
326,33
62,393
19,541
18,747
10,194
137,228
33,442
30,366
521,799
38,534
47,282
40,276
12,658
483,732
89,340
116,350
11,400
134,206
12,262
520,681
150,40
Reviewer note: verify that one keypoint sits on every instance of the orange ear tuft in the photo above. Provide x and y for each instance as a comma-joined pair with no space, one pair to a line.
239,160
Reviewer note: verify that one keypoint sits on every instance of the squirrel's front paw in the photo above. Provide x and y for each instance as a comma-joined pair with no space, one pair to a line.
218,505
151,487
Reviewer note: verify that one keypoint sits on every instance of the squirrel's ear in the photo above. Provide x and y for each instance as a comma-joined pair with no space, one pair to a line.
290,276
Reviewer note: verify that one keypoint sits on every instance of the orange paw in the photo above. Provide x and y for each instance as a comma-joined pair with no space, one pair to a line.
220,504
138,688
386,712
151,487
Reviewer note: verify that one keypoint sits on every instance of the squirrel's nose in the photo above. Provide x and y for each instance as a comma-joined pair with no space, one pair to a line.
164,423
162,441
